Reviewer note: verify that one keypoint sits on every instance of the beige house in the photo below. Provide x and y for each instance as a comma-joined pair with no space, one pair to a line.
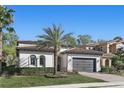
108,48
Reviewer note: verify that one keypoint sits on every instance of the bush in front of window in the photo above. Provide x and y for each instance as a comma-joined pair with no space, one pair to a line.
13,70
10,70
35,71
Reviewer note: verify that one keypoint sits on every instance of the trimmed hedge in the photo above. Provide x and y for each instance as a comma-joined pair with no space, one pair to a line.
27,70
10,70
35,71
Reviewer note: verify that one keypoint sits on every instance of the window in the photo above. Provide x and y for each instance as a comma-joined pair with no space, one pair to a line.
42,60
33,60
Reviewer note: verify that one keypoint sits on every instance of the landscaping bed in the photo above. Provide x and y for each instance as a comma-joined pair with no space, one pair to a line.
25,71
31,81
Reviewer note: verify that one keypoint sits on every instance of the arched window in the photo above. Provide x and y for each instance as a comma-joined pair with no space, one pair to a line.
42,60
107,62
33,60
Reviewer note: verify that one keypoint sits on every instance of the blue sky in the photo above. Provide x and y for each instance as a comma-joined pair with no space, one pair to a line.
101,22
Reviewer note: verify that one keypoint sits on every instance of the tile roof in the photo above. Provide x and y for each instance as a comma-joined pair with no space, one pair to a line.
35,42
27,42
35,48
82,51
88,45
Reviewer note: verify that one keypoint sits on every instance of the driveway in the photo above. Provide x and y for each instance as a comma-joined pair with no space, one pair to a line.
105,77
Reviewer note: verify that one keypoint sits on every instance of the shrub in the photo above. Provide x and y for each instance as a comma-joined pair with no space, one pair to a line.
35,71
11,70
108,69
56,76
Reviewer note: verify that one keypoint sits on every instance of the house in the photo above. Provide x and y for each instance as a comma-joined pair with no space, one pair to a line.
108,48
69,59
90,57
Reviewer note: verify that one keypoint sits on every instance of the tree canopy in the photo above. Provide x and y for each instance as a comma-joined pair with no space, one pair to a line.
6,18
117,38
84,39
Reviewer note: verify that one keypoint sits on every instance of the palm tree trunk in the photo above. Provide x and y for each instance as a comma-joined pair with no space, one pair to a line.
1,46
55,61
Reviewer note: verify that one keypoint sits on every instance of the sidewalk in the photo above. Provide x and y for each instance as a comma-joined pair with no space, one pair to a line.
87,85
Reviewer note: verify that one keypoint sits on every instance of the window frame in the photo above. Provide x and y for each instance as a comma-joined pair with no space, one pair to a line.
43,60
35,60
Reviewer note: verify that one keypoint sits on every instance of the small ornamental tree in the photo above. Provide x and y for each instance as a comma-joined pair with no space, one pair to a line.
6,19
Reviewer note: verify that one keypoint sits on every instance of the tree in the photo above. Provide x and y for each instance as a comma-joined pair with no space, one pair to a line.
84,39
6,19
70,40
117,38
53,37
101,41
9,47
118,59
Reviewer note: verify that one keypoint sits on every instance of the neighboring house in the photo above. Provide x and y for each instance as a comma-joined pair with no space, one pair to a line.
108,48
69,59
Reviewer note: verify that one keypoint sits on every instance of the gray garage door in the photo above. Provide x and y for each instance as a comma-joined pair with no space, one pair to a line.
83,64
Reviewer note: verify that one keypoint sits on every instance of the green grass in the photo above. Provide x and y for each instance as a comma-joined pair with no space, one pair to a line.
30,81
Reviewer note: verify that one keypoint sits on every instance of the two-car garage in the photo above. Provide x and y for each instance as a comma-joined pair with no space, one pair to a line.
84,64
79,60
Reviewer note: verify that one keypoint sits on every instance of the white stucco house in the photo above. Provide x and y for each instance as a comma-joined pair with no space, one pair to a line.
70,59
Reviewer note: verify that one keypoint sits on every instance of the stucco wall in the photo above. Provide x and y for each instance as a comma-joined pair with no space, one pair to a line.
27,45
120,46
68,62
24,57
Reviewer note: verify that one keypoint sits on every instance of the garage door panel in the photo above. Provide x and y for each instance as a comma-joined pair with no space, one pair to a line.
83,65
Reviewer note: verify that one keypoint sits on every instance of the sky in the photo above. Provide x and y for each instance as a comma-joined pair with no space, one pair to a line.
100,22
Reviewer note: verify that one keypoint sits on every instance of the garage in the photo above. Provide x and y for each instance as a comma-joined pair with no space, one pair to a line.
84,64
78,59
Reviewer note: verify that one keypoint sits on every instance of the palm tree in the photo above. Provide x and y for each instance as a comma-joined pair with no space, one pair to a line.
6,19
53,37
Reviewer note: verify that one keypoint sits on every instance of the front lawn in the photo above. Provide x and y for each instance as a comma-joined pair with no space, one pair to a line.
30,81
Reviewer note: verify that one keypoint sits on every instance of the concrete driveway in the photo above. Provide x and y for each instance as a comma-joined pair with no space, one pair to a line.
105,77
